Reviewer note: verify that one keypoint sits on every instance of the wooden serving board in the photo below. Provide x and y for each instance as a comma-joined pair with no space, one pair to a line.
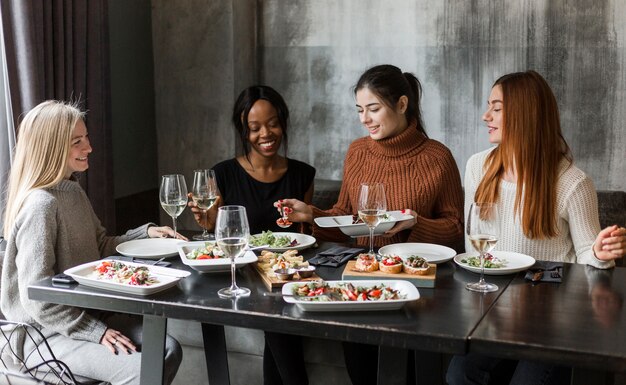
275,282
427,280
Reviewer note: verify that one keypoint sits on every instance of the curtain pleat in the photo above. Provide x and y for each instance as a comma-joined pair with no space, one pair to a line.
58,49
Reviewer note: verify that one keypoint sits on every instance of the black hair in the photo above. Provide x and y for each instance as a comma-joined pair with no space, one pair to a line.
243,105
389,84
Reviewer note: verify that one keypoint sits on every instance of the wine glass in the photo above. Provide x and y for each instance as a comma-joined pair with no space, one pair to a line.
204,193
372,207
232,232
483,225
173,196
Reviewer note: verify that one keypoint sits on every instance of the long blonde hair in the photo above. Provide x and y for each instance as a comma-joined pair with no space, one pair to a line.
41,152
532,142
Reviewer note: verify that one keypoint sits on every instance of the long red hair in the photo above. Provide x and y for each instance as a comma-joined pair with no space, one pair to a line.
533,144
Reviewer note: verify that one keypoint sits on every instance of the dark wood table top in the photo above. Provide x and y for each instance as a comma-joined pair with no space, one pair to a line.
579,322
441,320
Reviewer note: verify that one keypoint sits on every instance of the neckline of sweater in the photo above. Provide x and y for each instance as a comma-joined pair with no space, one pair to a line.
407,141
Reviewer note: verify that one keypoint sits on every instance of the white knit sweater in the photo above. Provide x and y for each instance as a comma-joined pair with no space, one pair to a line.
577,211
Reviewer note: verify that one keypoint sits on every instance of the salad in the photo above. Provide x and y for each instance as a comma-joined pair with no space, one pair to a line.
321,291
210,250
491,262
121,273
268,238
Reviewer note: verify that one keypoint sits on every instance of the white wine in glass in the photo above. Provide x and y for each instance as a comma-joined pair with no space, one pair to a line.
204,193
232,233
173,196
483,226
372,207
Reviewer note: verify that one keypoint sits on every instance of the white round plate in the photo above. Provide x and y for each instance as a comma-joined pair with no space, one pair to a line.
515,262
149,248
304,241
430,252
211,265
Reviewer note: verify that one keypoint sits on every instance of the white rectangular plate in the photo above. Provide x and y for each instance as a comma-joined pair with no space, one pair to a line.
211,265
344,223
515,262
405,288
430,252
167,278
303,240
149,248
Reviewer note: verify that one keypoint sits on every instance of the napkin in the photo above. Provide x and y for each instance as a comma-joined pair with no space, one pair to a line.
544,271
140,260
335,256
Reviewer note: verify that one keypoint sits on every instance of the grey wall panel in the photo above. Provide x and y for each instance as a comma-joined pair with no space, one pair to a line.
313,52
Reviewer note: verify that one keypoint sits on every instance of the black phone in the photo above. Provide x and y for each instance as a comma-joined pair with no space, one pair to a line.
63,278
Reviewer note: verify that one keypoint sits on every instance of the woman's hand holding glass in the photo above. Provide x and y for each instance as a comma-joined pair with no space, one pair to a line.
204,194
173,195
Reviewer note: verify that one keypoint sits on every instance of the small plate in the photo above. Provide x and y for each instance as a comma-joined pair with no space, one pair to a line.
211,265
167,278
515,262
430,252
346,225
304,241
149,248
405,287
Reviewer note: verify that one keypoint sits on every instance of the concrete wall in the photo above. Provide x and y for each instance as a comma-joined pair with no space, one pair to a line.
132,102
206,51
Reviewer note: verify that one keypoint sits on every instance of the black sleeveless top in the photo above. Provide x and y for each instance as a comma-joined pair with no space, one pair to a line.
237,187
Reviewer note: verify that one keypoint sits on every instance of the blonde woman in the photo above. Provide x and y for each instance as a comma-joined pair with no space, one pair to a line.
548,206
50,226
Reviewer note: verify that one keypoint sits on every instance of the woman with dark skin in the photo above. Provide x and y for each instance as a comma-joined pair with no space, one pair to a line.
256,179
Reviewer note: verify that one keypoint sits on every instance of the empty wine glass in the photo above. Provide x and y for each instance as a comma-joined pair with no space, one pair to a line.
372,207
232,232
483,226
204,193
173,196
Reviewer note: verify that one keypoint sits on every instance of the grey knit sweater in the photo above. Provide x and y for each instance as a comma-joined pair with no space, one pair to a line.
56,229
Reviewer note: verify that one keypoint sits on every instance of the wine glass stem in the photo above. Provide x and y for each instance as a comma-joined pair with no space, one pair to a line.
174,222
371,241
233,272
205,233
482,268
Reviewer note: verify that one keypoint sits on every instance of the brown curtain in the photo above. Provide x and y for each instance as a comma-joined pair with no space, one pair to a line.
58,49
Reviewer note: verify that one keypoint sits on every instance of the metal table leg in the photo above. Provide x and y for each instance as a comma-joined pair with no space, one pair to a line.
153,350
215,353
391,366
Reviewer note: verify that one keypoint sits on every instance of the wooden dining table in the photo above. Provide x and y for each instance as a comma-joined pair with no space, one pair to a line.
445,319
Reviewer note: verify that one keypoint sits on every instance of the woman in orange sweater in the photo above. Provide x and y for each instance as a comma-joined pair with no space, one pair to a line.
419,175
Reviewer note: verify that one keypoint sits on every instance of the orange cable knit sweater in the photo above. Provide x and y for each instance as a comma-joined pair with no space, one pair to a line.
418,173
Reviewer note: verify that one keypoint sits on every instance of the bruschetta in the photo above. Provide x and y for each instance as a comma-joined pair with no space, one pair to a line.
416,265
391,264
366,262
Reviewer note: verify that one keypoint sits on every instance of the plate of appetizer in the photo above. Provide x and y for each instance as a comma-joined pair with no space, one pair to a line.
430,252
126,277
354,227
149,248
350,295
206,257
281,241
496,262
